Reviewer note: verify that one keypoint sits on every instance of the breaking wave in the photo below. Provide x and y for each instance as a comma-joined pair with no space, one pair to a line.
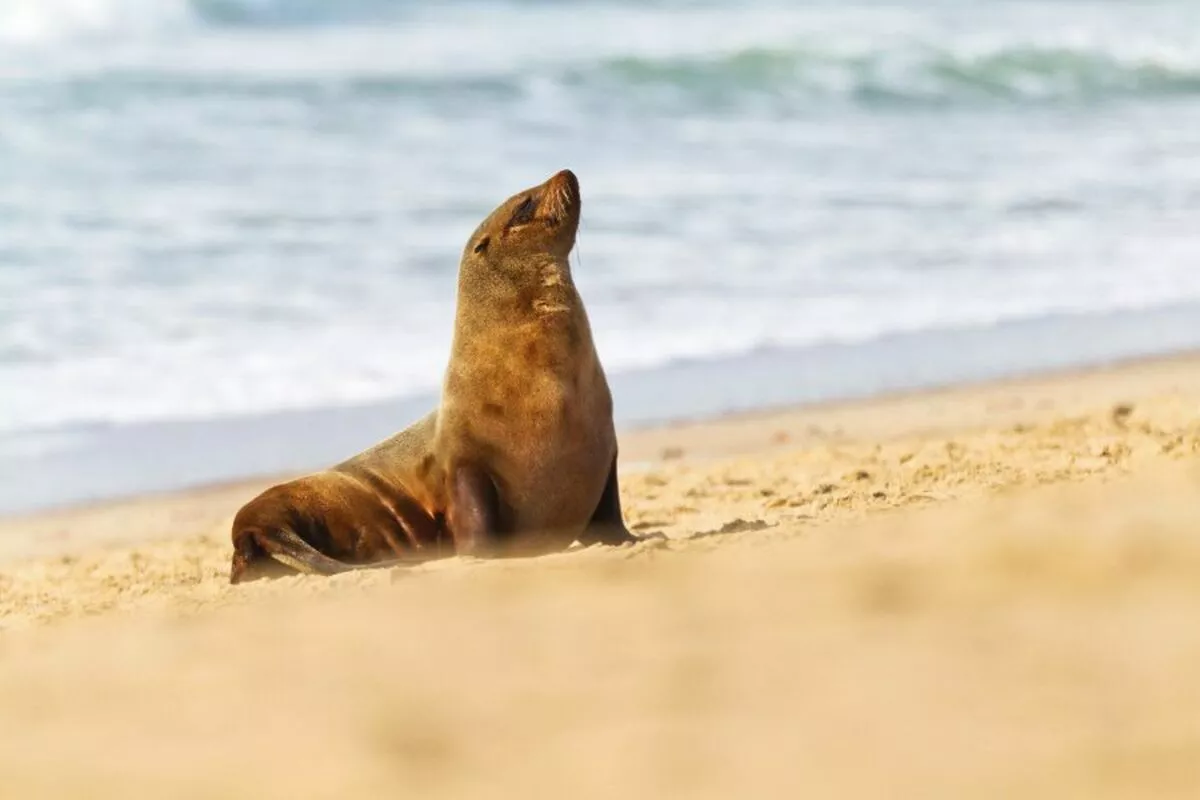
916,74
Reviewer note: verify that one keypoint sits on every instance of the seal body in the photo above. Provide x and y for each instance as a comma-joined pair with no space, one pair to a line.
526,412
519,458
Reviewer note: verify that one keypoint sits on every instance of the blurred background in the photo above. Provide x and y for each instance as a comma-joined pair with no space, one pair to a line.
229,229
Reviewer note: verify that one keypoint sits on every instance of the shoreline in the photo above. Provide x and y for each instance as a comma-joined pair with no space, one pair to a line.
1017,400
73,466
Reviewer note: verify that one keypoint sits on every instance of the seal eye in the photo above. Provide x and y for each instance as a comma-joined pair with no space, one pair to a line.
483,244
524,213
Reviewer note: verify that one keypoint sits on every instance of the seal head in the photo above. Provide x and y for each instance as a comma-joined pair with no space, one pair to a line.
542,220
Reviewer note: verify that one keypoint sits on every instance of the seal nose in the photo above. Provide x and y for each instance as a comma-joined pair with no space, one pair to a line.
566,177
561,196
564,182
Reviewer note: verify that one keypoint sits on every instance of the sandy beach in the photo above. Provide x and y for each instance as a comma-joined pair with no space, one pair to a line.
984,591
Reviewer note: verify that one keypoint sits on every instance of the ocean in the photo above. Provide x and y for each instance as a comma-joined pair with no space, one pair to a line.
229,229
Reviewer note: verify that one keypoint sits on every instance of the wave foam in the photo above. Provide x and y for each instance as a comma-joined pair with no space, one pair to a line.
32,21
27,21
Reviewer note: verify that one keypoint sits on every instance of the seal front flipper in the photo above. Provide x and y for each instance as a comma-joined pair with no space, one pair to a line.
474,513
606,525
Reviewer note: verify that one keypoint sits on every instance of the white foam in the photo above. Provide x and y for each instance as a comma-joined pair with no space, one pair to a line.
39,21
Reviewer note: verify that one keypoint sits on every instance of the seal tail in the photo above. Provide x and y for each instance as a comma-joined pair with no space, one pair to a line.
285,547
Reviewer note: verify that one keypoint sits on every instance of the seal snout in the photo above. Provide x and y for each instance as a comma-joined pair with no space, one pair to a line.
567,178
560,196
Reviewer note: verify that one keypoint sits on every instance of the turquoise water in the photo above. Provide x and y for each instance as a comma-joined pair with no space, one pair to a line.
219,210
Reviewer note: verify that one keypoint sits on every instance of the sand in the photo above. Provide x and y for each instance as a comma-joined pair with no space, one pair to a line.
987,591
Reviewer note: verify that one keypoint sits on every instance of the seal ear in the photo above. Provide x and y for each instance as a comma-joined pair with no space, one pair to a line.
482,245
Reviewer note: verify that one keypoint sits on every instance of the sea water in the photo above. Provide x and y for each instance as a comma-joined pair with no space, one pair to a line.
219,212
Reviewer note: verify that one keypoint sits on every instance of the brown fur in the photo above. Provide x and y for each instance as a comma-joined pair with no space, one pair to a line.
525,399
520,456
377,505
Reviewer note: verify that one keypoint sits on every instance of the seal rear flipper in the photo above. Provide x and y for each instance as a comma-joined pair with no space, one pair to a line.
285,547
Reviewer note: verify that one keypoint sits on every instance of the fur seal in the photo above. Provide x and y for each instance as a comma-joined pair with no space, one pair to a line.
520,457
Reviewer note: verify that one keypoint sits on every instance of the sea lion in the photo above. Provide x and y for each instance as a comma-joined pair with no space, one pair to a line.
519,458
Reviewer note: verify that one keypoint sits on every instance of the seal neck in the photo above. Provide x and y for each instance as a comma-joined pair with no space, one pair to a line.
537,287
